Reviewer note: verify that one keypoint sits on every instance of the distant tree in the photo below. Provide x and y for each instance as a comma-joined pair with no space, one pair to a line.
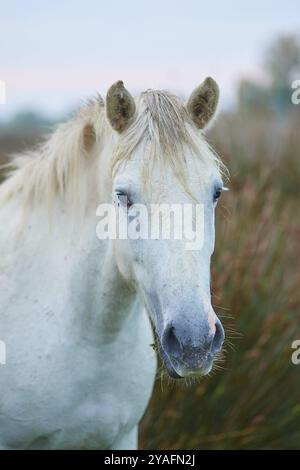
281,65
282,61
26,123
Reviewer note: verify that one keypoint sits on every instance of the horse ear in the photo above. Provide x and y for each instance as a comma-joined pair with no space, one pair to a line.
120,106
203,102
89,136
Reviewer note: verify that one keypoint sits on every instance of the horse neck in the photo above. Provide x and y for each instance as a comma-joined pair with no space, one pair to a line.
109,299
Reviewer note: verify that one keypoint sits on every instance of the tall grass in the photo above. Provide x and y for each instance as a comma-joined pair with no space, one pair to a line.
254,402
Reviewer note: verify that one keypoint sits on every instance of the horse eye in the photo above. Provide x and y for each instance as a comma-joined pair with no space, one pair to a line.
217,194
123,199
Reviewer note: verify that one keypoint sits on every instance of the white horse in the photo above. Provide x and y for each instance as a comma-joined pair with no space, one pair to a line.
76,312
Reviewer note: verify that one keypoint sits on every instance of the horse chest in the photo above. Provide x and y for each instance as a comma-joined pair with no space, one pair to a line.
62,392
73,379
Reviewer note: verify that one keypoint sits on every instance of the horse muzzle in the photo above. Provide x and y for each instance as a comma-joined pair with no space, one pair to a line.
185,353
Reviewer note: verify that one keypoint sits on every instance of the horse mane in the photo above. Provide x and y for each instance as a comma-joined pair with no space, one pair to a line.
56,166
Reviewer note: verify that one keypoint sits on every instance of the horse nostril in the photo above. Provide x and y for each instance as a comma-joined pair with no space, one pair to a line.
218,339
170,342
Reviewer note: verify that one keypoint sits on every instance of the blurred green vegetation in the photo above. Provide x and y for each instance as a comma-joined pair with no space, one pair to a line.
252,400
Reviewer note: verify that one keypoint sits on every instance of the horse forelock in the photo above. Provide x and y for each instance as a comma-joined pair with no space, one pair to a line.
164,131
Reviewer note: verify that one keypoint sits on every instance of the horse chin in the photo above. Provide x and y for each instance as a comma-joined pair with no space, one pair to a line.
177,372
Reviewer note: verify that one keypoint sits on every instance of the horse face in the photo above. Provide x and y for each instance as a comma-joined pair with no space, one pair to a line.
172,275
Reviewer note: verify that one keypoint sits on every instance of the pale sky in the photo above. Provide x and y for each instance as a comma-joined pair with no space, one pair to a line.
54,53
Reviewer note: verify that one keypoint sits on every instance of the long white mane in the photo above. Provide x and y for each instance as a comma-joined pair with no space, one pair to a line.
57,166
